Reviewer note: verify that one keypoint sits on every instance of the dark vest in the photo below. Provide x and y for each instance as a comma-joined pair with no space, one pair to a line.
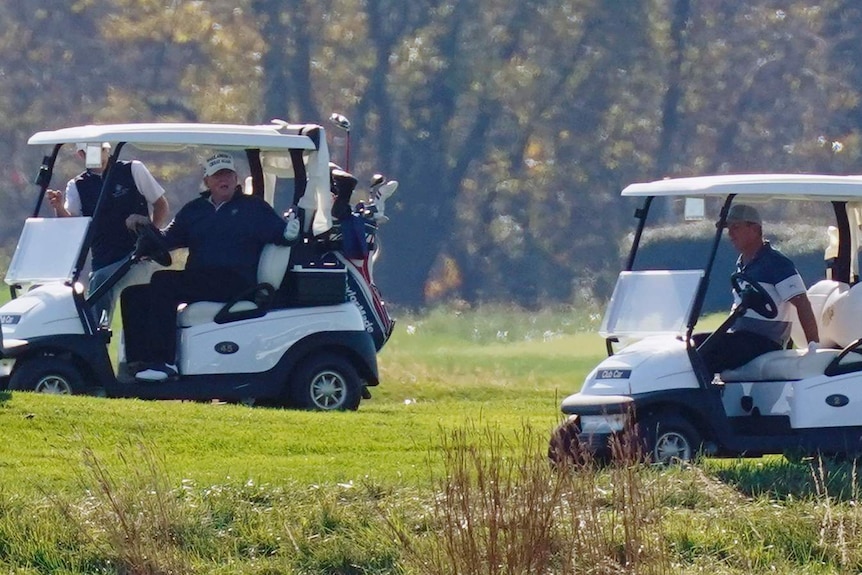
111,239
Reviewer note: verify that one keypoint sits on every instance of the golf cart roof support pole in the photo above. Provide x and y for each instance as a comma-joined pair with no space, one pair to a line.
697,305
641,215
699,297
86,319
253,157
43,178
841,266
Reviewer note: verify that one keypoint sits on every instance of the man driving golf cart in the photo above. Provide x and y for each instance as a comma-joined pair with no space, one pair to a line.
654,388
753,334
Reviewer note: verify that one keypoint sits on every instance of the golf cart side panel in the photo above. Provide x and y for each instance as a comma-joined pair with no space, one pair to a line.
257,345
825,402
267,385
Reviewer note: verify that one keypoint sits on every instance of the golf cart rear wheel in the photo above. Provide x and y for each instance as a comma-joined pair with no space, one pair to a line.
326,382
670,439
47,375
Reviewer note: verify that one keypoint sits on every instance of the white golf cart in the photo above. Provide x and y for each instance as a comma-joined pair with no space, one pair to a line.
295,340
793,401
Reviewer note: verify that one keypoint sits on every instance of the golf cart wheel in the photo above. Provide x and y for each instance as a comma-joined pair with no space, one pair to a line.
326,382
670,439
47,375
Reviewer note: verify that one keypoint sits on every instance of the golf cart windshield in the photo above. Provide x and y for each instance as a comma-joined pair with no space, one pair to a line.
47,250
650,303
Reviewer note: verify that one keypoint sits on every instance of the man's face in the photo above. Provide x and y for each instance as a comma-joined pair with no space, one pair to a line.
222,184
744,235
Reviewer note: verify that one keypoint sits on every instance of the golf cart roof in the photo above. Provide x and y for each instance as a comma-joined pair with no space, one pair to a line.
276,143
273,137
811,187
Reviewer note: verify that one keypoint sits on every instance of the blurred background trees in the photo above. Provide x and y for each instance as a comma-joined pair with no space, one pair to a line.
512,126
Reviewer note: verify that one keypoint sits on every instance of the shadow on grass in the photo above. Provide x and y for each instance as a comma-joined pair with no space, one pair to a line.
5,396
783,480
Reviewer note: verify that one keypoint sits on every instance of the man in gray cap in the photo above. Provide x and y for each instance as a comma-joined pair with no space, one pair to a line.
752,334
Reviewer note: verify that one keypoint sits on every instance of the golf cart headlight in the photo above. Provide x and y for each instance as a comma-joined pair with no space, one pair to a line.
603,423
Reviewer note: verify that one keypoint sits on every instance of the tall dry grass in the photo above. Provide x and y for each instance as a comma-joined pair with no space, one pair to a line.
132,515
501,508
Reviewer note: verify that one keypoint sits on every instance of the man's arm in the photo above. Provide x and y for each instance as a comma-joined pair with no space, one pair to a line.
153,193
161,212
806,317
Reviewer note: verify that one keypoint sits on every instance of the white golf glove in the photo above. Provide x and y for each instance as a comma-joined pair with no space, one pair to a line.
813,346
291,230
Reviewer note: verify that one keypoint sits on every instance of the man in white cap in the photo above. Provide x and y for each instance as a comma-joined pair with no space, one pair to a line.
135,197
751,334
225,231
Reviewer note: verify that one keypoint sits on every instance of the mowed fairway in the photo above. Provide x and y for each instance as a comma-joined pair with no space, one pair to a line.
503,369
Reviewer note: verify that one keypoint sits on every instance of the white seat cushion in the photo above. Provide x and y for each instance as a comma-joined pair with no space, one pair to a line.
782,365
270,269
205,311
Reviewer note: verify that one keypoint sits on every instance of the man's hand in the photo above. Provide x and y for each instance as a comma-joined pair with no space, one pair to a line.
136,220
292,228
55,198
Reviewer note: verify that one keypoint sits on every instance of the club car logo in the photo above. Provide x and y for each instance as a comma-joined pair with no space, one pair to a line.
226,347
9,319
614,374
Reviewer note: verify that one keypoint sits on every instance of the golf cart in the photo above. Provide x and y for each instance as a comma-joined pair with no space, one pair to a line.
295,340
655,388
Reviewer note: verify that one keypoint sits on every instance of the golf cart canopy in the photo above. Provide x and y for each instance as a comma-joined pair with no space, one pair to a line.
276,151
755,187
625,318
162,136
288,163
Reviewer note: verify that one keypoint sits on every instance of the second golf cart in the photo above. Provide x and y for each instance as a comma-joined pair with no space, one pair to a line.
652,384
295,340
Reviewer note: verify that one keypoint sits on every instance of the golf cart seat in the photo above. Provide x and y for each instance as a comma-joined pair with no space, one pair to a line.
271,270
841,321
838,316
782,365
822,296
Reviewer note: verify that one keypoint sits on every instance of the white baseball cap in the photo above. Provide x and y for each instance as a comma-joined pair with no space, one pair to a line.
217,162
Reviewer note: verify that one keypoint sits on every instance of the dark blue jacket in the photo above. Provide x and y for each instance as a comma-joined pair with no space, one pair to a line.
230,238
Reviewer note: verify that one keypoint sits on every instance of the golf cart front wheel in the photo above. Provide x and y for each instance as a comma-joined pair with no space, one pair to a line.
670,439
326,382
46,375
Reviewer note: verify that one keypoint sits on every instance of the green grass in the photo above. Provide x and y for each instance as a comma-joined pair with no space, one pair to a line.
442,471
432,380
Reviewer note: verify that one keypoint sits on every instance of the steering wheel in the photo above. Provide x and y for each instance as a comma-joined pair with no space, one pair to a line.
151,244
754,296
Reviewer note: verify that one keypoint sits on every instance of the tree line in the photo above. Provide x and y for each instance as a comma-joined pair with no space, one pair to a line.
511,126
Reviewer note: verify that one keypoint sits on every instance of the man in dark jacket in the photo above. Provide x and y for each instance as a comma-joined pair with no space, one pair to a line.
225,232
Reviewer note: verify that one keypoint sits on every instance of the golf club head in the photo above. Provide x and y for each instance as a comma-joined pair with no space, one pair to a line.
387,189
340,121
377,180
